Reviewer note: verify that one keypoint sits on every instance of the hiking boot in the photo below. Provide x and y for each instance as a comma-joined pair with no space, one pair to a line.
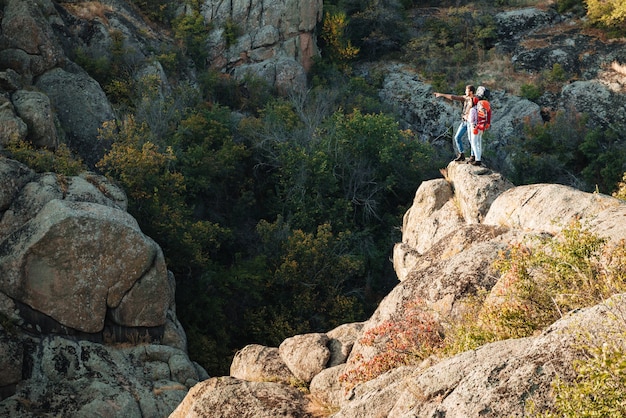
478,163
471,159
460,157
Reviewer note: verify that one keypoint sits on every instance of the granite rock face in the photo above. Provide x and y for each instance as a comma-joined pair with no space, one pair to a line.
88,324
273,39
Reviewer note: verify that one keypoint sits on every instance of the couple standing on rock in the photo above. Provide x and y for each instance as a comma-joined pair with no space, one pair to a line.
473,122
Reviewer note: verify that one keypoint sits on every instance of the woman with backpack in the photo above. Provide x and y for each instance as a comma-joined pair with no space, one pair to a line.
468,103
480,121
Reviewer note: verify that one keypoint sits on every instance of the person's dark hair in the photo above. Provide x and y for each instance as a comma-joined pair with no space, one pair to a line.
472,88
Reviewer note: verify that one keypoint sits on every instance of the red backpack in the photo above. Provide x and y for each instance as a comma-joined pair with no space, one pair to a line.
483,110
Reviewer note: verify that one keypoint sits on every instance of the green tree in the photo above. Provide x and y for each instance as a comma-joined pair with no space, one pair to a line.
191,31
340,49
604,160
548,152
156,192
610,14
311,279
208,156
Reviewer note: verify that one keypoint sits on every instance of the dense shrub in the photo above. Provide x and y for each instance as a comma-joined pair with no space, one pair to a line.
406,340
451,45
567,151
531,92
600,385
338,48
608,14
191,31
61,160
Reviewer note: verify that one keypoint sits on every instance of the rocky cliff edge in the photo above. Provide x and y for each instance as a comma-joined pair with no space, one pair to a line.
451,235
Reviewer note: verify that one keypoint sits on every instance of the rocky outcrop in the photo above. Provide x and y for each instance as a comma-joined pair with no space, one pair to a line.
27,44
227,397
81,378
87,316
48,98
452,233
276,39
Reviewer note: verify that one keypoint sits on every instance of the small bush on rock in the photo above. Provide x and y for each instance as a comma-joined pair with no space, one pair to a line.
573,270
599,388
541,281
406,340
60,161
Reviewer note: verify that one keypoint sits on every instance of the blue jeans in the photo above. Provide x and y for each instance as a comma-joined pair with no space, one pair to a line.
460,133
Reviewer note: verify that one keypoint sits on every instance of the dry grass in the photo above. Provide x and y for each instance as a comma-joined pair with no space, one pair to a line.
89,10
160,390
497,73
317,409
539,4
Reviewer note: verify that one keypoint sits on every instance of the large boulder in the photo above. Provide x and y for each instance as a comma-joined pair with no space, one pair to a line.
443,206
82,108
305,355
89,324
257,363
228,397
548,208
76,262
35,109
70,253
475,189
433,215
